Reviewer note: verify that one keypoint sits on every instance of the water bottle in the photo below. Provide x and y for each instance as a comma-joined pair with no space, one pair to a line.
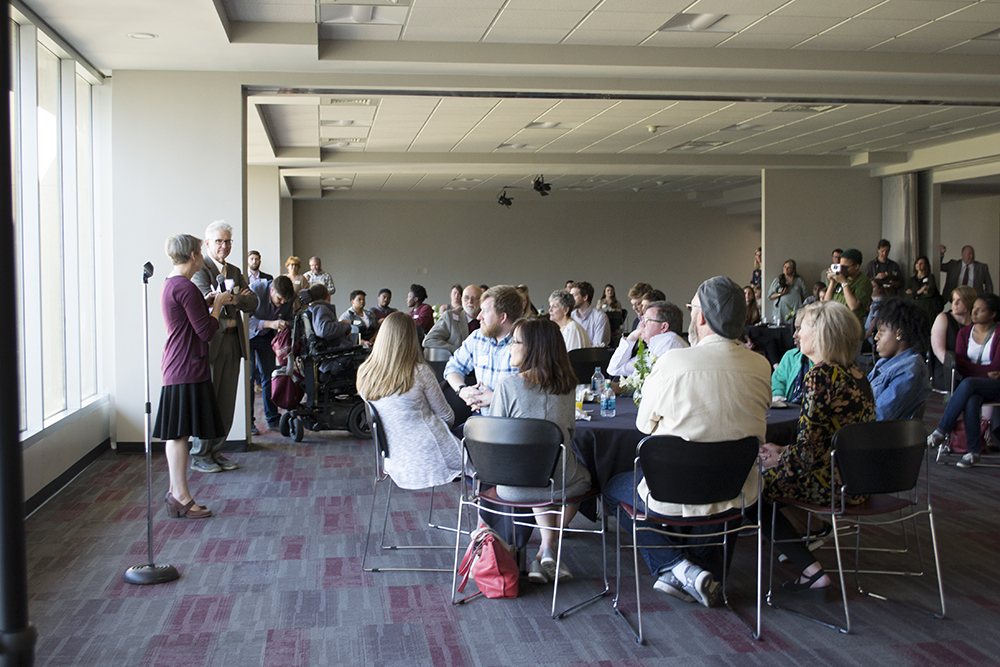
608,400
597,382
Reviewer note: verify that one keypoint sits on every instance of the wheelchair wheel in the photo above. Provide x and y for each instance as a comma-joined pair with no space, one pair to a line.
284,426
298,429
357,422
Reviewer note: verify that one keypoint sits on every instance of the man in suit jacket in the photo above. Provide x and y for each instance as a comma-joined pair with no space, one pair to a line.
456,324
966,271
229,345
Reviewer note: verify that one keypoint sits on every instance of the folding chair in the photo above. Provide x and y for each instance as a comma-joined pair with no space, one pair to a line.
947,449
521,452
692,473
381,453
585,359
437,358
881,460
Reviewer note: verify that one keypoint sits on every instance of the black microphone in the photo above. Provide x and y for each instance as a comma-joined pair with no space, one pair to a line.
147,271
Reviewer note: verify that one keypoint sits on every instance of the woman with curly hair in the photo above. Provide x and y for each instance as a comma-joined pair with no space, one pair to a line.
899,380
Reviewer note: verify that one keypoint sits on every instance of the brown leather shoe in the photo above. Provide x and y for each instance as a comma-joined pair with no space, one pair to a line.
176,510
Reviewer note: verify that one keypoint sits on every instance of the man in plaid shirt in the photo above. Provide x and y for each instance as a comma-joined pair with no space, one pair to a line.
486,350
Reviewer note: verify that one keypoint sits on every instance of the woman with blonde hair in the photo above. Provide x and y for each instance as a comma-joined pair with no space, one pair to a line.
299,281
944,336
415,415
834,394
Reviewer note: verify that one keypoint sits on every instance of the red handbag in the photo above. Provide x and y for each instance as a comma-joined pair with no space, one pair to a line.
490,561
286,392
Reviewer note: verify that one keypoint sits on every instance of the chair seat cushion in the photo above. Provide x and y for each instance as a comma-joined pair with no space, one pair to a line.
876,504
490,495
681,521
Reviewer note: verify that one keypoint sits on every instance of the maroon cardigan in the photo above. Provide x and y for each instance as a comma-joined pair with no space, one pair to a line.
967,367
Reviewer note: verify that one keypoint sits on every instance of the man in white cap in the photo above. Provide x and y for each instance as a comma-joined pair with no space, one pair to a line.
713,391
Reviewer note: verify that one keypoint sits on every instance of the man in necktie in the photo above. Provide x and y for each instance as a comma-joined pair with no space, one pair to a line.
966,271
228,347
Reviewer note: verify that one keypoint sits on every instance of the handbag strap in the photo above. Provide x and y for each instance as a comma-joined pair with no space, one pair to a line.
986,342
471,554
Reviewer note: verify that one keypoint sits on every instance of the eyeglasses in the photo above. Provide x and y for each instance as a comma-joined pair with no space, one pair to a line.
692,306
221,242
657,321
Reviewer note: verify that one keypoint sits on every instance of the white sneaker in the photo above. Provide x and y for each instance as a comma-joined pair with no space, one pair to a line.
669,584
702,586
968,460
535,573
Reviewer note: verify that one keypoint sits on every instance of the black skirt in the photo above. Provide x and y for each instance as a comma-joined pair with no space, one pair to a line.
188,410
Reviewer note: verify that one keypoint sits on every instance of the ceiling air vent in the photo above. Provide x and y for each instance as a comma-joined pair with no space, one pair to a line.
807,108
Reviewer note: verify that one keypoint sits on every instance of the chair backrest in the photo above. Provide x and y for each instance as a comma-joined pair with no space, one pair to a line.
378,431
615,319
436,354
696,473
880,457
586,359
513,451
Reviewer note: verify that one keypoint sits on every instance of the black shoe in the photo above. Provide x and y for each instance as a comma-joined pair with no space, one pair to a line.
253,430
804,591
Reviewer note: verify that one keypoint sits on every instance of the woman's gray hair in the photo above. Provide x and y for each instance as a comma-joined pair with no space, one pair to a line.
564,299
218,225
180,247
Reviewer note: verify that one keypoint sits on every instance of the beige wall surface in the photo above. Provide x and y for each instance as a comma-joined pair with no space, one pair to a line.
177,167
263,216
808,213
975,221
540,242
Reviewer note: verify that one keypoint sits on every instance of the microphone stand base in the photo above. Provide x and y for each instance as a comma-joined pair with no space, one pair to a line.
151,574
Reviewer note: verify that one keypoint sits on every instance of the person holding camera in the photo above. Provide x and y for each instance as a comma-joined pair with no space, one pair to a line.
848,285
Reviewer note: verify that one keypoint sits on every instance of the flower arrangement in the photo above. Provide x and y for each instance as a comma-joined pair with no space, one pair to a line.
644,361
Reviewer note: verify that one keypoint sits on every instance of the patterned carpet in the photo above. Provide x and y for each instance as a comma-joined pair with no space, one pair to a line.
274,579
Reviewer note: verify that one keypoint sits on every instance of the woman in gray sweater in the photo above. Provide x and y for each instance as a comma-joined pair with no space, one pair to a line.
543,389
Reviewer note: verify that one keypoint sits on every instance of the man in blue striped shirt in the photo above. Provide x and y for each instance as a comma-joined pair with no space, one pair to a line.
486,350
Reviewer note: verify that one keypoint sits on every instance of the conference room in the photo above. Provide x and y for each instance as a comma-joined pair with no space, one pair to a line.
380,136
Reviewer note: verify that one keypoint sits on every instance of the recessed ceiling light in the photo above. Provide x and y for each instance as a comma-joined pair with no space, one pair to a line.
331,181
698,145
991,35
454,187
744,127
516,146
468,180
807,108
142,35
693,23
544,125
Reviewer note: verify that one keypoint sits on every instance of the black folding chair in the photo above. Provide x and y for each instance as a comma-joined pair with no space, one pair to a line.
692,473
381,453
521,452
881,460
437,358
586,359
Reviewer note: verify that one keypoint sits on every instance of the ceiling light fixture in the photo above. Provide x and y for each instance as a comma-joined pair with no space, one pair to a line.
991,35
540,186
503,199
807,108
516,146
693,23
544,125
141,35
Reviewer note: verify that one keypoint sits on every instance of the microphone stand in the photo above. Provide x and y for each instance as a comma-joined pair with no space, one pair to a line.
150,573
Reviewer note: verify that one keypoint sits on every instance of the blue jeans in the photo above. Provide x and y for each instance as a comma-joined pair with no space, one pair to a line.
969,399
619,489
262,357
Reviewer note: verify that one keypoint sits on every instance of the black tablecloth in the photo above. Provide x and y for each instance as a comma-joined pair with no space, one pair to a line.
770,341
606,445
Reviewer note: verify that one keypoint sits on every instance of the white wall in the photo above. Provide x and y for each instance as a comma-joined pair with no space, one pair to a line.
972,220
540,242
263,218
808,213
177,167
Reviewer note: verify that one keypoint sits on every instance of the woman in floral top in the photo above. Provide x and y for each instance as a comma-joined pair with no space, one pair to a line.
834,393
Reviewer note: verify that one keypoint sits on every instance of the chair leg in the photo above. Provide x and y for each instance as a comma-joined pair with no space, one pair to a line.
604,553
618,577
368,535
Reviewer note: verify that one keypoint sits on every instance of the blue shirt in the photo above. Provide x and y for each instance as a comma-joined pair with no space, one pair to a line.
490,359
900,385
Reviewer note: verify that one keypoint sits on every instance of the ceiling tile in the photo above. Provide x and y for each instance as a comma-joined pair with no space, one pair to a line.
442,34
984,12
839,9
874,29
925,10
758,7
607,37
648,21
538,18
656,6
521,35
982,47
828,42
689,39
447,17
944,30
793,25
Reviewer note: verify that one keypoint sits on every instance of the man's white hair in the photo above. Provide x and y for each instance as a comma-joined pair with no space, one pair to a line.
218,225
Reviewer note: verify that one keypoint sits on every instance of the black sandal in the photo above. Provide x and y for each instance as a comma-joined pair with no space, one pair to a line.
805,590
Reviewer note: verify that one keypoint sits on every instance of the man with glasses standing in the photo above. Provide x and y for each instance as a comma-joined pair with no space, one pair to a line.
228,347
659,326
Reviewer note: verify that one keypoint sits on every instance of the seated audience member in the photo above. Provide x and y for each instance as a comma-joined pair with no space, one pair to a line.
612,307
651,296
362,318
899,380
316,274
635,298
415,415
817,294
713,391
455,325
334,334
921,288
592,320
661,320
529,308
455,300
487,350
561,305
544,388
753,311
884,270
786,380
966,271
273,314
383,310
422,314
849,286
834,394
944,336
787,292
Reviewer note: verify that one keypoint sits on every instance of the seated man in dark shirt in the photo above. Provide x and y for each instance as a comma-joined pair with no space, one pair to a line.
334,333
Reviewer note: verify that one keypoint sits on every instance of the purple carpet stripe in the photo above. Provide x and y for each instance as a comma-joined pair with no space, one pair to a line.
286,648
